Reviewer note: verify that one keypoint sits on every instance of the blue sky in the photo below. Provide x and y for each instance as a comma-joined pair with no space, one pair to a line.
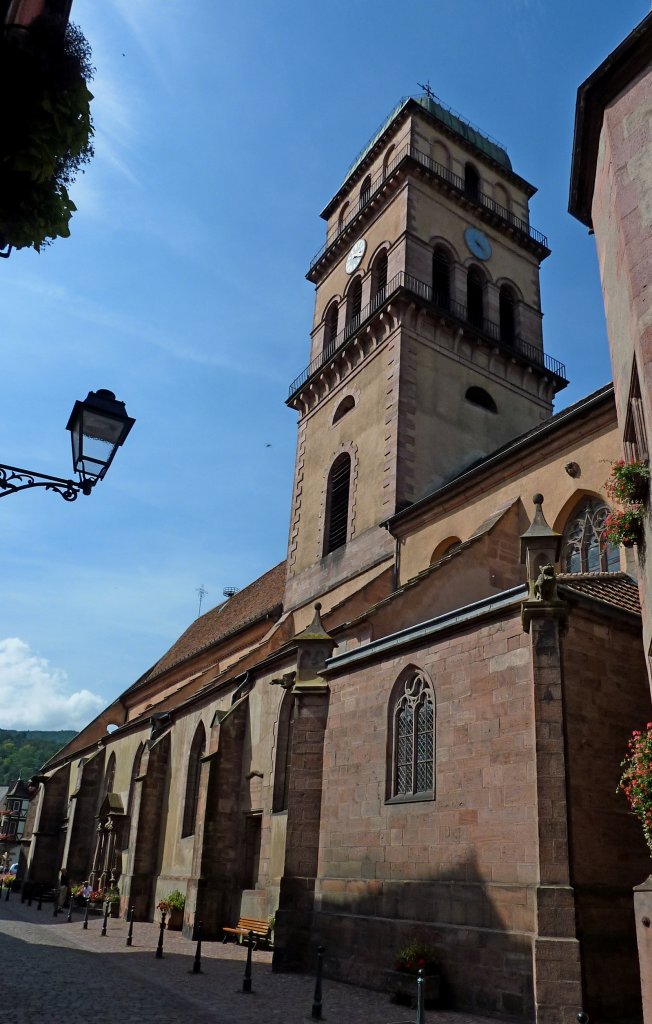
221,132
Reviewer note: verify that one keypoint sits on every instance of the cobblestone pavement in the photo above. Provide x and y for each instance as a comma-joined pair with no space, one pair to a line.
54,972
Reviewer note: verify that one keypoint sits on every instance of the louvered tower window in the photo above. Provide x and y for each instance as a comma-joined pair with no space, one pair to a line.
330,325
471,182
379,277
337,503
474,297
507,321
441,278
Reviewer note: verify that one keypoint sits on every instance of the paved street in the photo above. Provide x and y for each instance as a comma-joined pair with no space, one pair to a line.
54,971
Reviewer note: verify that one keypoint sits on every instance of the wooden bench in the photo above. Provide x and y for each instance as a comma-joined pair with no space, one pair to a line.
246,925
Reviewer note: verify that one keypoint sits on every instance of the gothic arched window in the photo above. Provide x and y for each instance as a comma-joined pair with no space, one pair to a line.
475,297
441,278
109,777
330,325
507,304
585,547
337,503
413,738
192,781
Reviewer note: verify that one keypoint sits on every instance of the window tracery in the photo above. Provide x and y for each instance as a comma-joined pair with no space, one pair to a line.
585,547
413,721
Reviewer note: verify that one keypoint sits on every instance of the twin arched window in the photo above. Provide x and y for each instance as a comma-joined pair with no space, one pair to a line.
192,781
412,727
585,547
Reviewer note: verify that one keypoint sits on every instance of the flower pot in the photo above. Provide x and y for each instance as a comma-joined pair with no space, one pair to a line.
402,987
175,919
114,910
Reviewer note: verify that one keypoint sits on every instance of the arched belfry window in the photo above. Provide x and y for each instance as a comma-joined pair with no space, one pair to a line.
412,721
337,503
354,304
585,547
379,277
471,182
507,305
475,297
192,781
365,190
344,213
330,324
441,278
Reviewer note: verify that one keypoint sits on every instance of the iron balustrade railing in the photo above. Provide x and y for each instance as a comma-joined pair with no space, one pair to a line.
444,174
443,304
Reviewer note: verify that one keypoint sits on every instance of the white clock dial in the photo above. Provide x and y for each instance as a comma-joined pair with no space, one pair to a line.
354,259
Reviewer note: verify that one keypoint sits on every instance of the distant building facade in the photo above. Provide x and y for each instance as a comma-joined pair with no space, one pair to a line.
413,725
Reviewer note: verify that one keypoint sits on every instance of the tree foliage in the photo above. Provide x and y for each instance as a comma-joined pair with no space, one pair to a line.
24,752
46,129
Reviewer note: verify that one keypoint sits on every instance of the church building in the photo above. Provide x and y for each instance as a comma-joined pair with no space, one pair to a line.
413,726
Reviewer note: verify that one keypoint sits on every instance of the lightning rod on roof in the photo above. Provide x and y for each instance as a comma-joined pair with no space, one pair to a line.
201,590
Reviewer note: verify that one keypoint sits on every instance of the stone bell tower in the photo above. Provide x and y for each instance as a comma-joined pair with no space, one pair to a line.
426,351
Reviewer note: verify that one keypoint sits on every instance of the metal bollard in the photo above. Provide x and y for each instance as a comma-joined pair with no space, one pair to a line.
105,918
582,1017
196,966
421,986
316,1002
40,899
246,981
159,948
130,933
85,924
70,903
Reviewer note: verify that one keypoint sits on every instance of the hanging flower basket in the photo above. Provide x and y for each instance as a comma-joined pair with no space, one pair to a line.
636,780
625,526
629,481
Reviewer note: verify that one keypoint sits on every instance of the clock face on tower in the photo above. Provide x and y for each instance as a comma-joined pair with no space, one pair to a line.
478,243
354,258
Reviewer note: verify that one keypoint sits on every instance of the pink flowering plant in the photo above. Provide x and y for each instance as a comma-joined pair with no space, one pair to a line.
415,957
623,526
636,779
628,481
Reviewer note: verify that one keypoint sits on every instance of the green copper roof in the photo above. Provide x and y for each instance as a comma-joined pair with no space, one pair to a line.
453,121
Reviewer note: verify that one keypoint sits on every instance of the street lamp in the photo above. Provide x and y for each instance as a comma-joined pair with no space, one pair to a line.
98,427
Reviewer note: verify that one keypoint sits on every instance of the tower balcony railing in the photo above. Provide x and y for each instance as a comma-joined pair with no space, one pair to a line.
443,304
408,151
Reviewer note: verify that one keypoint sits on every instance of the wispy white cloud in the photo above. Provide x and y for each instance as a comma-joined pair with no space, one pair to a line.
35,695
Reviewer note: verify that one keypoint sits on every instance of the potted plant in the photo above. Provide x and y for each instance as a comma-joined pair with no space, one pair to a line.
624,526
629,481
112,897
173,904
636,779
401,982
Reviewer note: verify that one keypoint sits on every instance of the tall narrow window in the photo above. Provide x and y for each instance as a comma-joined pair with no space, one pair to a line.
585,547
341,220
471,182
507,319
192,781
337,503
441,278
353,305
330,325
475,297
109,777
379,278
413,741
283,761
635,436
365,191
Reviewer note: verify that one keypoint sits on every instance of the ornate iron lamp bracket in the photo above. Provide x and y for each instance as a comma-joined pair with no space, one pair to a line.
13,479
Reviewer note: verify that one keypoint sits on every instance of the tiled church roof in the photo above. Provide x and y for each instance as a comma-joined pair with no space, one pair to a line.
261,598
613,588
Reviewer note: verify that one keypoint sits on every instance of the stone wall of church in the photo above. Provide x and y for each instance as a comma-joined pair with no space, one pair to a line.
458,870
606,696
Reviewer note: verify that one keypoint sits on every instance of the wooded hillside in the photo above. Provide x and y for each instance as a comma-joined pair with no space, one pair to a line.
23,752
